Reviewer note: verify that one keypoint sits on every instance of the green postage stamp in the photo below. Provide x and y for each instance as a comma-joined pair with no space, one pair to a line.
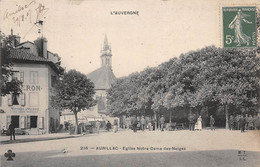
239,26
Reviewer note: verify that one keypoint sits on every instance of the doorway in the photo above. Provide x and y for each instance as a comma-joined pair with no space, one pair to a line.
33,120
15,120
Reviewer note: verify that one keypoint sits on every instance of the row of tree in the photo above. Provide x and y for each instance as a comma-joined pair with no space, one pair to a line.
208,81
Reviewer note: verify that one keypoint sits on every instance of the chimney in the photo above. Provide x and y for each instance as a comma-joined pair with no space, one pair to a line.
45,51
15,39
41,44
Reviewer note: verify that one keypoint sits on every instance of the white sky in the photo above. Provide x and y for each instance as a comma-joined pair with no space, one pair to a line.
75,30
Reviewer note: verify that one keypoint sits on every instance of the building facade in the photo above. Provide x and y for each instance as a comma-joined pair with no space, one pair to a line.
38,69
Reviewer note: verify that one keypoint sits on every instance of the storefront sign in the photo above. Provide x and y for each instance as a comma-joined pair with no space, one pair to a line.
32,88
26,110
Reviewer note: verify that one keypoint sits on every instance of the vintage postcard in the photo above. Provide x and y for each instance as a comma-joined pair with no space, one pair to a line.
129,83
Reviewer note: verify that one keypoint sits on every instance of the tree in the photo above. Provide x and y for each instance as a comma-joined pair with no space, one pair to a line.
7,83
75,92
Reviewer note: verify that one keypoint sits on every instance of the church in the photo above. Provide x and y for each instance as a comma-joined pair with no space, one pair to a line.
102,78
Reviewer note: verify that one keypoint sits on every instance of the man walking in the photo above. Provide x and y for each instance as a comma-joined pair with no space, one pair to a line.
162,120
134,123
12,130
237,118
212,122
231,122
143,123
242,122
192,122
98,126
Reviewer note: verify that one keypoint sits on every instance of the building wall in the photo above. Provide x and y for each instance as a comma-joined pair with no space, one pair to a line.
33,103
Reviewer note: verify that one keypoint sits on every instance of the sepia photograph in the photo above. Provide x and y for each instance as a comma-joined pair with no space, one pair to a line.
130,83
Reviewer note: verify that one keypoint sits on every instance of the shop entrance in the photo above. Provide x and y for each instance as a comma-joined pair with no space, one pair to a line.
15,120
33,120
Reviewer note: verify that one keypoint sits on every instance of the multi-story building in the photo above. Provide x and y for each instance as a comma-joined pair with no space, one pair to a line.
38,69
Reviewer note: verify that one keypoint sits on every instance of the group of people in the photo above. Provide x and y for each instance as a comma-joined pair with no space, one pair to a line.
144,123
108,126
243,122
196,123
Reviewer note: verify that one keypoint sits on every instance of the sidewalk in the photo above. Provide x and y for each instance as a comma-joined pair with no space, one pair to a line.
33,138
43,137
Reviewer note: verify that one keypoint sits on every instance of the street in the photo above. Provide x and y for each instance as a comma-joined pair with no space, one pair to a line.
149,148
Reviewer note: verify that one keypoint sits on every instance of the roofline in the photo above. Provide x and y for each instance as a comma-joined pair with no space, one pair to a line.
51,64
24,43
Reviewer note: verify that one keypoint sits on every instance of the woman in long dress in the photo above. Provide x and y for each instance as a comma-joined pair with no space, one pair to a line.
199,121
236,24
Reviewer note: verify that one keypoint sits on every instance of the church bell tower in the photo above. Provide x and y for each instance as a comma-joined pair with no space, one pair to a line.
106,55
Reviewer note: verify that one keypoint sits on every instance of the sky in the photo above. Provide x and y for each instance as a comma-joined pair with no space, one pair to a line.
75,29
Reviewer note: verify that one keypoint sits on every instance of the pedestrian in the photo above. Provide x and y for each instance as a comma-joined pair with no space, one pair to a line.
257,122
149,124
115,126
191,122
108,126
242,122
134,123
231,122
237,122
143,123
247,122
162,120
12,130
212,122
98,126
250,123
199,121
153,121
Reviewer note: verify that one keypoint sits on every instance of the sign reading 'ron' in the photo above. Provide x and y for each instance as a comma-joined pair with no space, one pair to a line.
239,27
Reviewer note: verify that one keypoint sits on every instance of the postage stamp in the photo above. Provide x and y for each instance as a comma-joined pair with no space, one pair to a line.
239,27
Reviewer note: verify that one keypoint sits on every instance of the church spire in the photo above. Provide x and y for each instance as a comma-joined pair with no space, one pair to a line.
106,53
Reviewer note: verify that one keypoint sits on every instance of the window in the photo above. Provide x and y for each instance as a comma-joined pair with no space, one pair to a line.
34,77
18,75
53,81
15,75
34,99
13,99
16,99
22,76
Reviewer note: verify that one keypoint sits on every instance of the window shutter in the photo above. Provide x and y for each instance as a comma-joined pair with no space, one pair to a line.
41,123
22,76
8,121
28,126
10,101
23,99
22,122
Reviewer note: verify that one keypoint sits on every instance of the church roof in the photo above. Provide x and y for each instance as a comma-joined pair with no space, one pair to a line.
102,78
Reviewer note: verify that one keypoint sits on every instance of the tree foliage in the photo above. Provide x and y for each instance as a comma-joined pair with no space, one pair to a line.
196,80
75,92
7,82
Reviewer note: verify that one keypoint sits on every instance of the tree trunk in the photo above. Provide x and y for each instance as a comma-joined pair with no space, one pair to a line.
170,117
77,126
226,112
155,120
